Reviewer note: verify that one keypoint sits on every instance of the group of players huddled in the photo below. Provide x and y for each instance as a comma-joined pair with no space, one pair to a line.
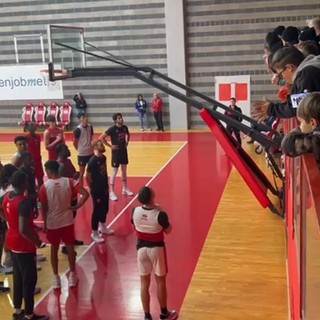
23,190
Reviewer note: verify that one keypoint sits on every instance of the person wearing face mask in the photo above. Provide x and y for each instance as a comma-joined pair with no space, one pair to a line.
303,73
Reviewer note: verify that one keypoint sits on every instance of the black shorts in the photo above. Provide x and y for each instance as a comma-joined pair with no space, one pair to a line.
83,160
119,157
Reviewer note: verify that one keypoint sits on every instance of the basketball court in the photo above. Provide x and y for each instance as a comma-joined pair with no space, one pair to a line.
209,277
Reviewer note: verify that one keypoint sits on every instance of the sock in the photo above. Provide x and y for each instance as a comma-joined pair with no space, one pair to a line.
147,315
17,311
111,187
164,310
124,184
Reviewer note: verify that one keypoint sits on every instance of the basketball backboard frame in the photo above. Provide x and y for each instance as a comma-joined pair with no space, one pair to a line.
57,67
156,79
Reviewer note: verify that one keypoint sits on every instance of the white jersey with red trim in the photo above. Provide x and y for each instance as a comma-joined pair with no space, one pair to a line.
147,225
57,194
146,221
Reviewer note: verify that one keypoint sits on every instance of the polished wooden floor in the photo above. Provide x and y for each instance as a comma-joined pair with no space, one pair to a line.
227,255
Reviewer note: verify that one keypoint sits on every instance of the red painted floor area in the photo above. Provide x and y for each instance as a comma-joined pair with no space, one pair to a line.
188,189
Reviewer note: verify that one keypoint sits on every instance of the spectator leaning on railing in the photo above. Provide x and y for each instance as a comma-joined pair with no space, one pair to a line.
305,138
303,73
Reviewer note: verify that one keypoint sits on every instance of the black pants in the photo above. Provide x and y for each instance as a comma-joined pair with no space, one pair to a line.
100,209
158,117
236,134
24,280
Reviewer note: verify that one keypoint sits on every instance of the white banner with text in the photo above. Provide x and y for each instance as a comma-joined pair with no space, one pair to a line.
28,82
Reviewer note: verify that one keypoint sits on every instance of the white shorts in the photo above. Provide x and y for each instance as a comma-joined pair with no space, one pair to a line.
152,259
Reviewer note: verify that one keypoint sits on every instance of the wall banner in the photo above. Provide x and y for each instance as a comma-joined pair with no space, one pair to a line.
26,82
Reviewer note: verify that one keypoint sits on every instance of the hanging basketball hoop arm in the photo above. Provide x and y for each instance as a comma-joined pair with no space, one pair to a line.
147,75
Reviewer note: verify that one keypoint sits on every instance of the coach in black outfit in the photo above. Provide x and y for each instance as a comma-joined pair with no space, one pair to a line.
232,115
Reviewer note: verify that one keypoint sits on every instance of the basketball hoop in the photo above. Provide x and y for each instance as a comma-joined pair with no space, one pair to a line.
57,73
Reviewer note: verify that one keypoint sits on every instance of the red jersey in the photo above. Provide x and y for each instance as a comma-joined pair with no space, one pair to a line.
13,207
53,133
34,145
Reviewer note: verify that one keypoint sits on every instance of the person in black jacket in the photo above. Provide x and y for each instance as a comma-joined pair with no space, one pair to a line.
231,129
81,104
303,73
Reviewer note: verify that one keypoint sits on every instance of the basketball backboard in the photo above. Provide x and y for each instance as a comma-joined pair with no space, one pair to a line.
62,59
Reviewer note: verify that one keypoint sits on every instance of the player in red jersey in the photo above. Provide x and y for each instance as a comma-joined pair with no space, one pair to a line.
52,137
34,147
22,240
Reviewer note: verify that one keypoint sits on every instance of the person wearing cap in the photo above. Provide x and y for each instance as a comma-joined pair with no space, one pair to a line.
290,36
52,137
308,34
279,30
82,141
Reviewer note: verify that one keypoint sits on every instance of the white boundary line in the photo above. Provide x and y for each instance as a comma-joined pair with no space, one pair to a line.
148,183
114,220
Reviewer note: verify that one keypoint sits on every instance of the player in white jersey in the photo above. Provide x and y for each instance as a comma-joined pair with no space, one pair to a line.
55,196
151,223
82,141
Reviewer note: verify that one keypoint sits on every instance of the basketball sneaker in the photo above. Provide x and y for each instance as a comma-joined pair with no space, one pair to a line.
37,317
37,290
4,290
171,315
56,282
73,280
127,191
112,196
19,316
41,257
104,230
96,237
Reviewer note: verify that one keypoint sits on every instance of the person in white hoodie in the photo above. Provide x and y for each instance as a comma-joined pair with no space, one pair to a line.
303,73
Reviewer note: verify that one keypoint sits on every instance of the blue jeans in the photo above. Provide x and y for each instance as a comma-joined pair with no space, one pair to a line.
143,119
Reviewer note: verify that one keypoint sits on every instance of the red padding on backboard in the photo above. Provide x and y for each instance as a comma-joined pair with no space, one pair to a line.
241,90
224,91
248,176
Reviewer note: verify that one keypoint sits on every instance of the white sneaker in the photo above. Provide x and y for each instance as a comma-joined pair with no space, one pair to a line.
112,196
96,237
73,280
41,257
56,282
104,230
127,191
